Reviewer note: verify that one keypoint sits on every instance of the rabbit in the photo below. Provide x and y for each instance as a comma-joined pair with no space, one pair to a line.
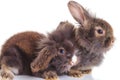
62,58
92,38
35,54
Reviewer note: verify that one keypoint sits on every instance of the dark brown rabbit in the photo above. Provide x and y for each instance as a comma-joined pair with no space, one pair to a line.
32,53
92,38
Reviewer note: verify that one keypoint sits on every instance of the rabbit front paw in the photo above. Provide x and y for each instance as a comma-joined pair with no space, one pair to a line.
50,75
6,75
75,73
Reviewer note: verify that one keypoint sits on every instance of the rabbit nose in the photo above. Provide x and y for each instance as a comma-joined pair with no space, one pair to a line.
109,41
112,41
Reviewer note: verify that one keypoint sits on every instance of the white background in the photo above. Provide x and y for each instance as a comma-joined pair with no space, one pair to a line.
44,15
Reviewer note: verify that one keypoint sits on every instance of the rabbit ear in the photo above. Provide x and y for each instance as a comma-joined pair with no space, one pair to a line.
78,12
43,59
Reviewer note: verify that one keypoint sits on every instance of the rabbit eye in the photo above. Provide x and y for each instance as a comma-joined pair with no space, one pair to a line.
62,51
99,31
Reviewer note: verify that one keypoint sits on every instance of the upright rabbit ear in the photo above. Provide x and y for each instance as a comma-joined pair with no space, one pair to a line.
78,12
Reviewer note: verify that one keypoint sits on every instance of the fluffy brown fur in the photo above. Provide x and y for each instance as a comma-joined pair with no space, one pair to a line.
92,38
32,53
58,47
18,52
25,42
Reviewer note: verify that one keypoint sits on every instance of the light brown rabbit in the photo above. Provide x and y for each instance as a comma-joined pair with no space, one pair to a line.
92,38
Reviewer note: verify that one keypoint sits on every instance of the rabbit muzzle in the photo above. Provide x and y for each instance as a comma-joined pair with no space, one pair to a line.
109,42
